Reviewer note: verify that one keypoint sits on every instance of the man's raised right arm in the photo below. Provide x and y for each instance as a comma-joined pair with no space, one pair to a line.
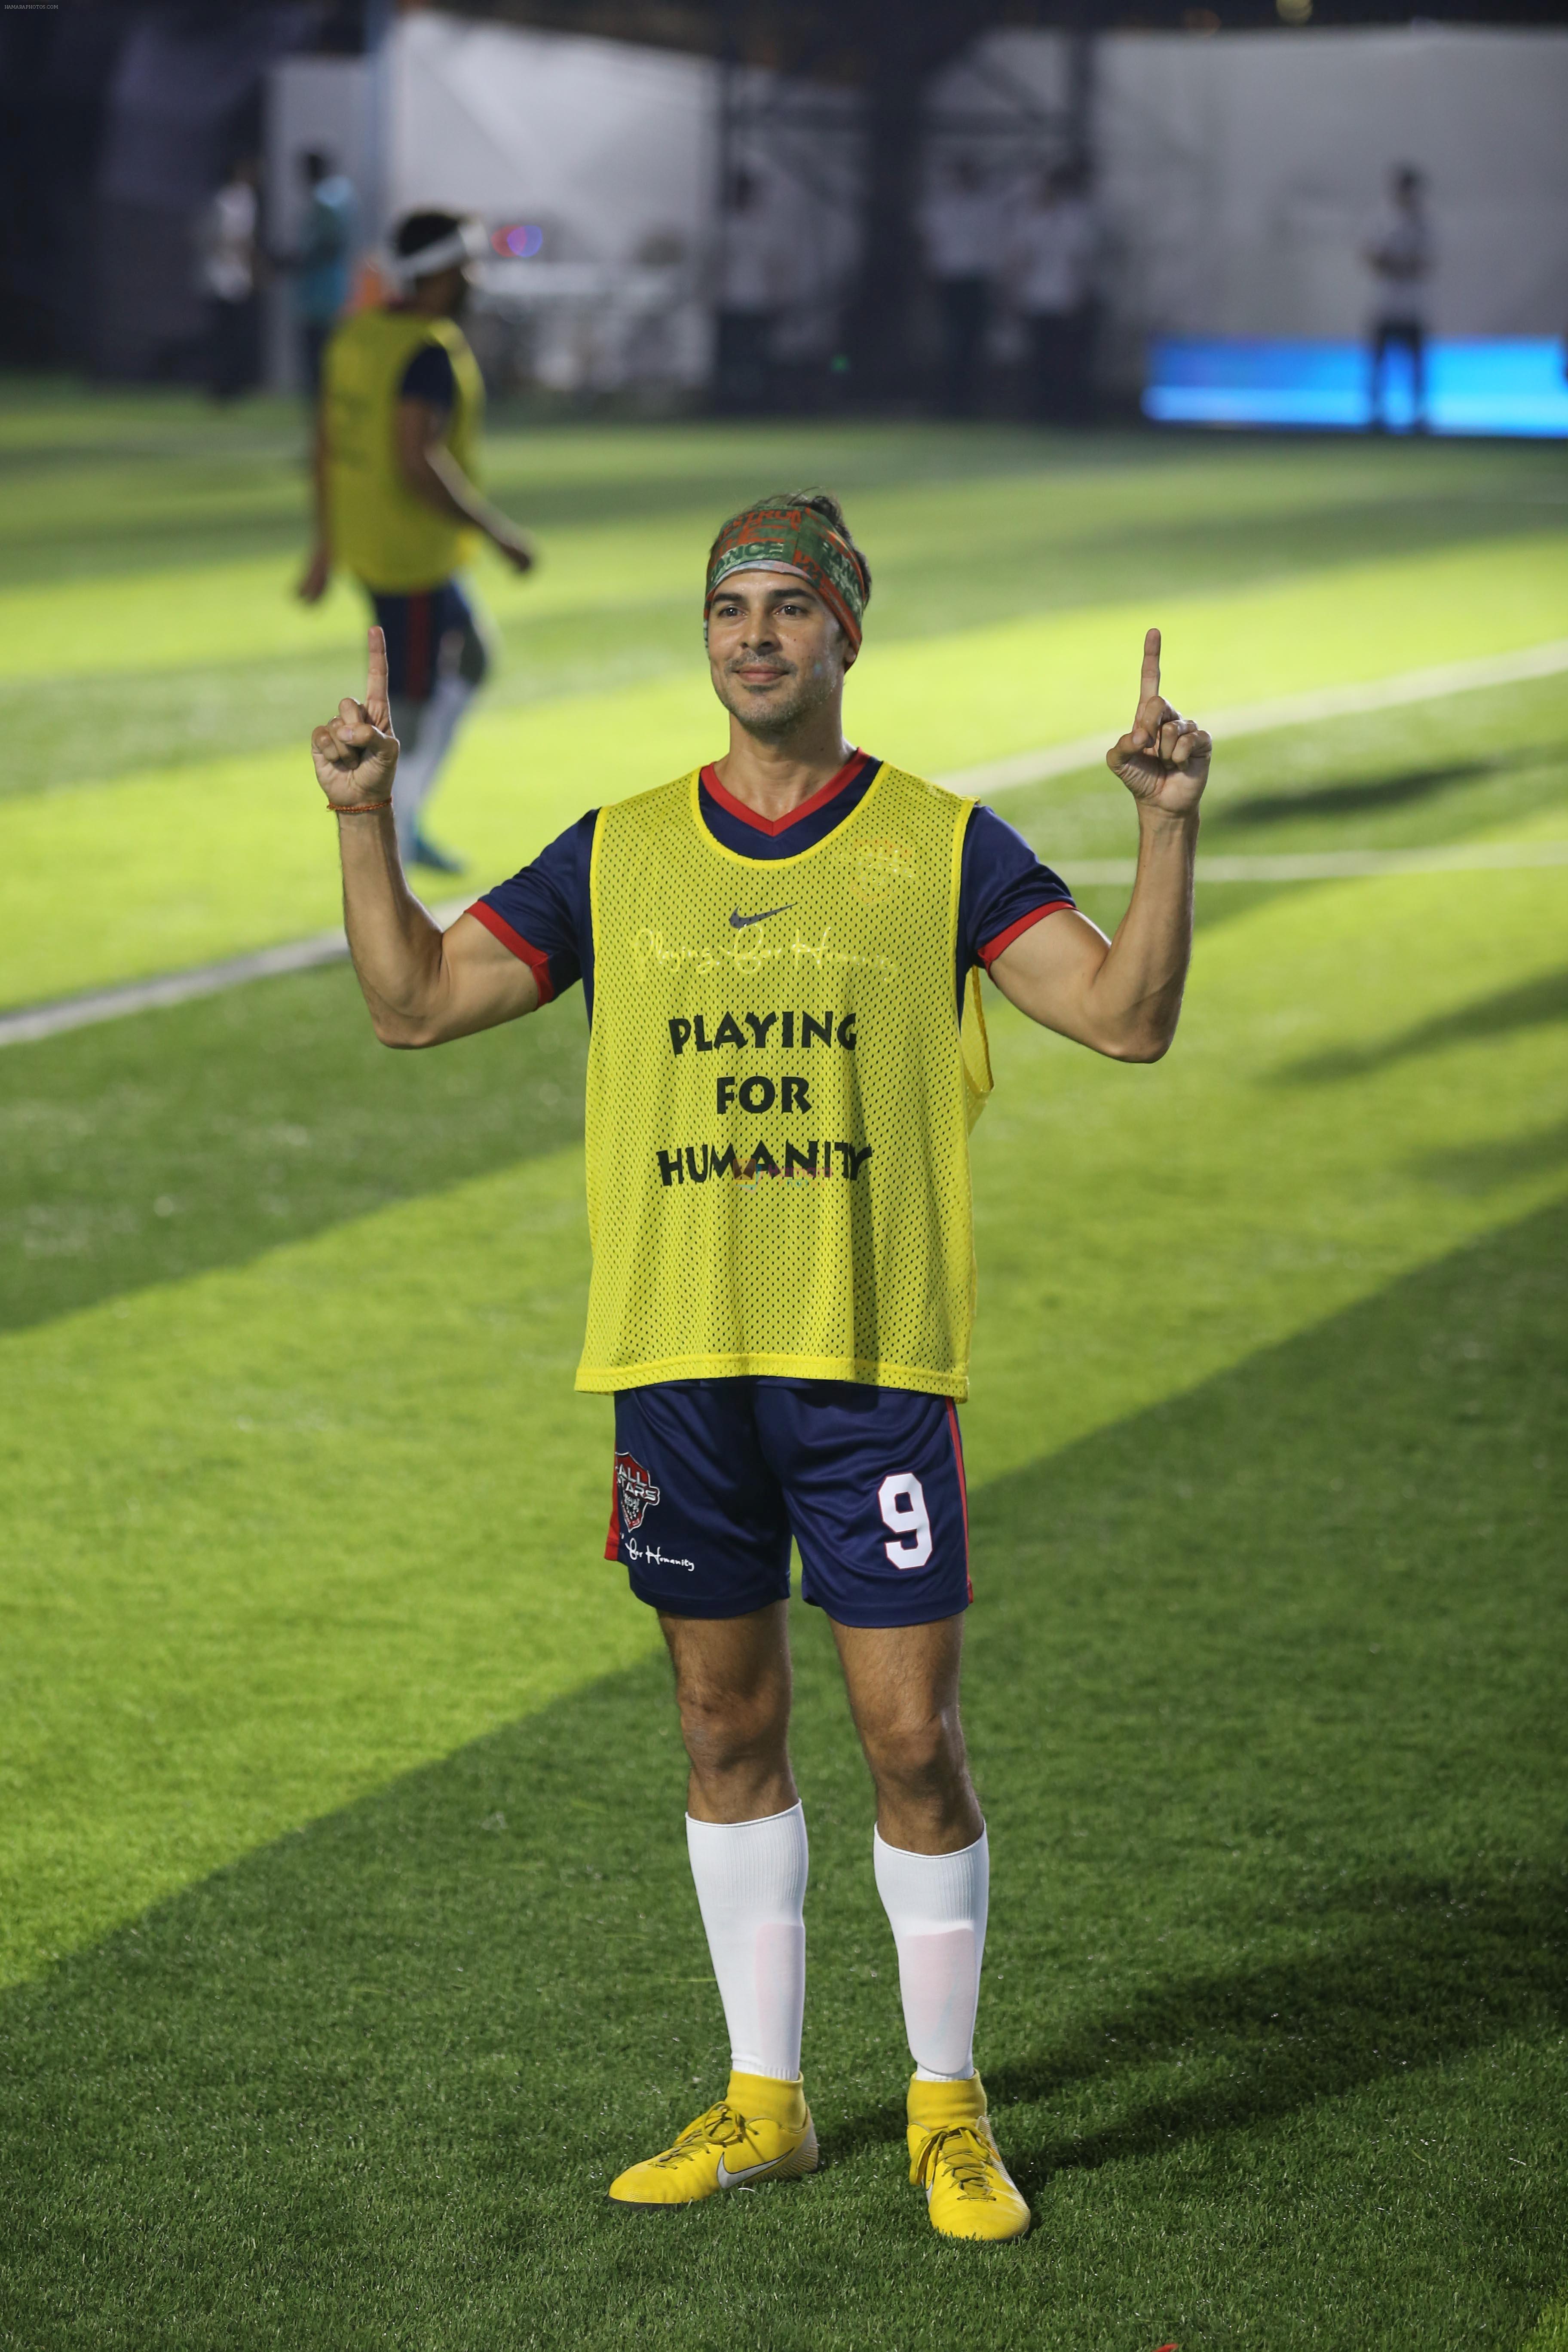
423,985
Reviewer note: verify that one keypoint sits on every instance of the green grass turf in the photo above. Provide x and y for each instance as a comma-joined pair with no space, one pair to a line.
276,1529
1263,1699
1014,572
147,1149
304,1643
109,880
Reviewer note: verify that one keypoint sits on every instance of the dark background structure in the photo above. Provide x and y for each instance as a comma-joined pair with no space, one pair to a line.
93,174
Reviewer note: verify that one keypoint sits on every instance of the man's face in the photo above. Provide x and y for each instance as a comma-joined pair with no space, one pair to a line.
774,650
445,292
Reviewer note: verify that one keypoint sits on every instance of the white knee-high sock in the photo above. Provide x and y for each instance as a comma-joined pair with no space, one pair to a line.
936,1906
750,1887
420,762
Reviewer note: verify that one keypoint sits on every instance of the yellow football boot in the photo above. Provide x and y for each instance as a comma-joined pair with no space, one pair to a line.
760,2130
954,2159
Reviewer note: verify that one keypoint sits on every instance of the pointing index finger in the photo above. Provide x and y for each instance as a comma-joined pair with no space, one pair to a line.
1149,683
375,677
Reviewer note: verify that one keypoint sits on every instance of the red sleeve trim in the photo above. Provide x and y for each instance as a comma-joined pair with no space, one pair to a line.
499,928
993,947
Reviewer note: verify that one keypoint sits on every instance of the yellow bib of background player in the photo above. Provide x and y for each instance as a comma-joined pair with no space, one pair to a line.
387,536
779,1099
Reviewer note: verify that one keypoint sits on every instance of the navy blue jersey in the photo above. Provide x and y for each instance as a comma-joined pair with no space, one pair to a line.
543,916
429,376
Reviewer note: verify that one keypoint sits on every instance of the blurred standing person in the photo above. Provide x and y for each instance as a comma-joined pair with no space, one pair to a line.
1399,253
959,225
397,430
321,264
1051,257
226,274
751,286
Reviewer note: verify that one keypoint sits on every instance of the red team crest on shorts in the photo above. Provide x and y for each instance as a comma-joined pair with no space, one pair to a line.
637,1492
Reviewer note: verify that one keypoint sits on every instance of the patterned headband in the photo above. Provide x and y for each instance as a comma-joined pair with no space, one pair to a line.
798,540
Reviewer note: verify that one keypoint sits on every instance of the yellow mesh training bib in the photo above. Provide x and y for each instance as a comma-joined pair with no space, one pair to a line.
385,534
779,1099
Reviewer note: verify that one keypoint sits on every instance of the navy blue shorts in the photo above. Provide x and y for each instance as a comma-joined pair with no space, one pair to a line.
416,624
713,1478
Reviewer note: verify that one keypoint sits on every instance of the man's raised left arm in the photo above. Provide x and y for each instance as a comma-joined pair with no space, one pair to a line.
1122,996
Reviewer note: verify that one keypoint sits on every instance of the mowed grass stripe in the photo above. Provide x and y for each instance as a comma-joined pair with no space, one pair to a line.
280,1532
172,547
106,884
1489,742
1264,1682
1405,687
115,676
316,1521
212,1133
27,1028
1340,1105
1274,1979
207,1134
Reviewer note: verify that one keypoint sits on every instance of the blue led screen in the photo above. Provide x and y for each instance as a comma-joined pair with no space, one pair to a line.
1516,386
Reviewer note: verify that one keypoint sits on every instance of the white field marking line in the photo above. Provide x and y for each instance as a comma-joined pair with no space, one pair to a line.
1286,710
36,1020
994,776
1343,865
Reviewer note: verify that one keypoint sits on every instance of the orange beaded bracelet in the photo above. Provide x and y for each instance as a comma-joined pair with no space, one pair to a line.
357,808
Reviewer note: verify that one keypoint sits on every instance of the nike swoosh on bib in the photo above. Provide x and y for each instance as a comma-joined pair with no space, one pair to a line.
738,922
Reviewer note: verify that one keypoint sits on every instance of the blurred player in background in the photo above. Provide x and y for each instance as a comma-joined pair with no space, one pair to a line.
753,261
227,267
961,222
1399,253
320,266
397,436
786,1053
1051,257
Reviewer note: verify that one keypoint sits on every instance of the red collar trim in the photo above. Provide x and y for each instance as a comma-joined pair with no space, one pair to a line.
777,824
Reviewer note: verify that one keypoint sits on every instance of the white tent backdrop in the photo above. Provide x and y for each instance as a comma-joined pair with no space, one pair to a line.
613,142
1236,174
608,147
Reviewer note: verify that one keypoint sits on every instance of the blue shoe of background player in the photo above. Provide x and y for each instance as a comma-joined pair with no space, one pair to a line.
439,861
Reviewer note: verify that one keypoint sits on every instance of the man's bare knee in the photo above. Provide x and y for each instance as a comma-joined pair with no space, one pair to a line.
733,1689
724,1729
917,1757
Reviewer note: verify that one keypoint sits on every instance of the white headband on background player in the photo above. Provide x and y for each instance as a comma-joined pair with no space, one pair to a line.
467,243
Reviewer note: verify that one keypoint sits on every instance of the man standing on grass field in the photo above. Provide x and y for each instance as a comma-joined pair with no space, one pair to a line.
397,427
788,1051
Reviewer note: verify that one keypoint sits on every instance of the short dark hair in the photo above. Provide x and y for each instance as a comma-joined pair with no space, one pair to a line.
415,231
824,503
317,166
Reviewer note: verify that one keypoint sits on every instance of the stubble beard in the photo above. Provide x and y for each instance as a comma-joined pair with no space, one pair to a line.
804,696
